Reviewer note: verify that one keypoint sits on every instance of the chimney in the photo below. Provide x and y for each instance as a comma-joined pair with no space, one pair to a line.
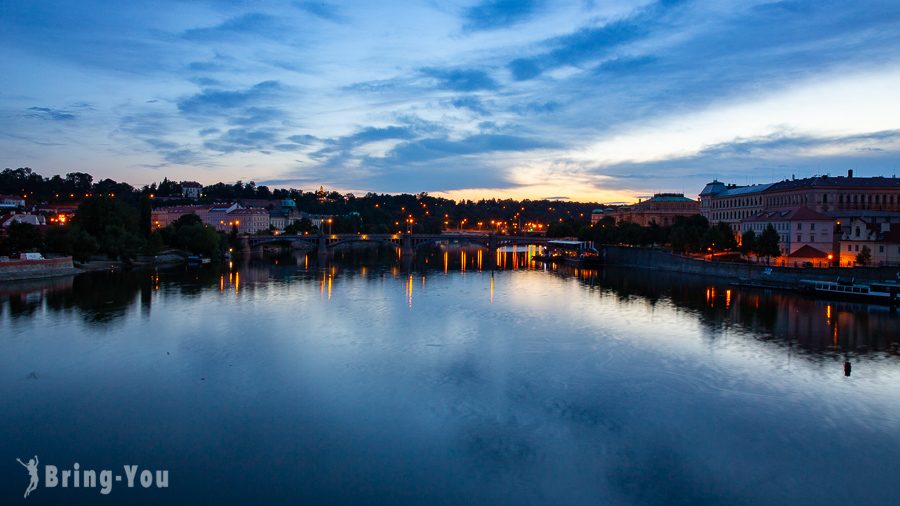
849,172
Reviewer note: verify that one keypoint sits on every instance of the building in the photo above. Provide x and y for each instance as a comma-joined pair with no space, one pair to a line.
600,213
191,189
58,214
882,239
283,215
317,220
804,235
31,219
661,209
841,197
162,217
221,217
11,202
249,220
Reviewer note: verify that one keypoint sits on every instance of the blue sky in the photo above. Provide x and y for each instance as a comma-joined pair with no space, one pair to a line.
588,100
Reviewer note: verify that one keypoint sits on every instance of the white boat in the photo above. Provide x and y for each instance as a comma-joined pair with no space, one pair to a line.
875,291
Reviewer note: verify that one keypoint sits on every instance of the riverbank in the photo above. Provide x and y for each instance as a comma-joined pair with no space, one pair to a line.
36,269
16,270
749,274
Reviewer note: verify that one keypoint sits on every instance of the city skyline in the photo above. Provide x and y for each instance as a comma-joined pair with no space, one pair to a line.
590,101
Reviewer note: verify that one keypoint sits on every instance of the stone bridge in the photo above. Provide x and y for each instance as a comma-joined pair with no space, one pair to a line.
406,242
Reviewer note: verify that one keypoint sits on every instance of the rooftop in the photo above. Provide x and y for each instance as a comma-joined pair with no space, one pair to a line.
808,251
669,197
798,214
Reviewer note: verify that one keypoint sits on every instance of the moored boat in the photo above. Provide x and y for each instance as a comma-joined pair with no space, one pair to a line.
871,291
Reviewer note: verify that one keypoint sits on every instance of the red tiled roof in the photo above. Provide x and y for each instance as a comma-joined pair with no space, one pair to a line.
808,251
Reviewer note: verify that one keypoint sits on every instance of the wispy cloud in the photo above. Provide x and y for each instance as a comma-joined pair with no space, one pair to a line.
252,24
50,114
322,10
461,79
217,101
492,14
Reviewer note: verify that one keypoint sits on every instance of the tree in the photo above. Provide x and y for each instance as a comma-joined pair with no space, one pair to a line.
191,234
113,224
561,229
24,237
768,243
83,245
748,242
719,238
864,257
687,233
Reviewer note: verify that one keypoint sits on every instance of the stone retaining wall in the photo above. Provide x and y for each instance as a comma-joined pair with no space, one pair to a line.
22,269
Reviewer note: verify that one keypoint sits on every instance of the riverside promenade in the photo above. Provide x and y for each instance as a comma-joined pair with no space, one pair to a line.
741,272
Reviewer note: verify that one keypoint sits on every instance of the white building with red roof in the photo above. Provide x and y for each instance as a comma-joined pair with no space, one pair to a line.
805,235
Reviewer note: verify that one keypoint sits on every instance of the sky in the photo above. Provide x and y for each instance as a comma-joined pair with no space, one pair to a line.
582,100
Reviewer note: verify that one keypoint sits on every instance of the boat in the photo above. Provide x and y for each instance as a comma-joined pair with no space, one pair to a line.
870,291
567,252
198,260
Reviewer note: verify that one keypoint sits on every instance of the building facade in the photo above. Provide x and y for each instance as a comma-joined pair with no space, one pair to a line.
841,197
11,202
223,218
882,239
661,209
804,235
191,189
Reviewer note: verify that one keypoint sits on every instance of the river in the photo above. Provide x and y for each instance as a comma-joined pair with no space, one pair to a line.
373,381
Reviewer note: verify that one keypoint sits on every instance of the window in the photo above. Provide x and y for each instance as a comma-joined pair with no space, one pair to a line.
799,226
881,248
857,247
849,247
812,226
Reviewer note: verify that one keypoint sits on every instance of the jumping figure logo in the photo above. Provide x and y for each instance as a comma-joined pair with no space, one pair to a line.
98,479
32,467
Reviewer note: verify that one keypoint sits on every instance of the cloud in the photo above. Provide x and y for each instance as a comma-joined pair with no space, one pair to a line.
303,139
757,160
436,148
471,103
493,14
216,101
243,139
645,91
461,79
575,48
322,10
252,24
537,107
50,114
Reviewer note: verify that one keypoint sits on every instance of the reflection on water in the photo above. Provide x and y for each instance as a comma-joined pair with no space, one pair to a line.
456,377
815,325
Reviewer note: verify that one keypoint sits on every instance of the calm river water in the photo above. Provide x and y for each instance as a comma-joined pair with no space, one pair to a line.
378,382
